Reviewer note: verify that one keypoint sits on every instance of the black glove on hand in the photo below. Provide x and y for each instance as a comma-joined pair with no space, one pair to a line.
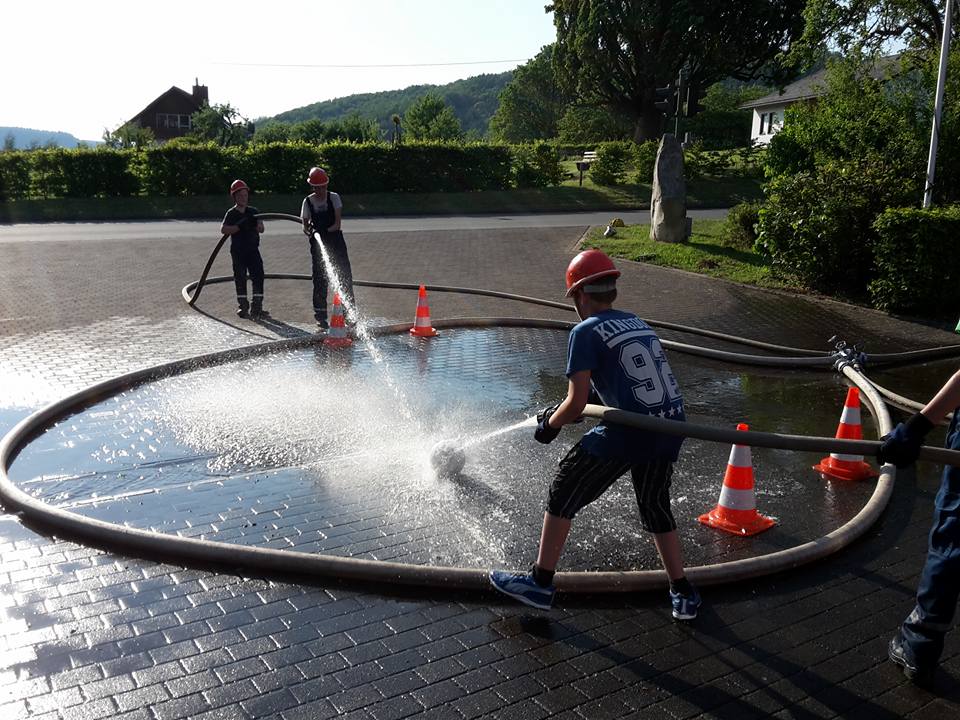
544,433
902,446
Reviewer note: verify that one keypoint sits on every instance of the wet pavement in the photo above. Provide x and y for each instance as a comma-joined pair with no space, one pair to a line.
88,633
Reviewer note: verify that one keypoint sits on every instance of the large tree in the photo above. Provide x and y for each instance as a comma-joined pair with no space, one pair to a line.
532,103
873,25
615,53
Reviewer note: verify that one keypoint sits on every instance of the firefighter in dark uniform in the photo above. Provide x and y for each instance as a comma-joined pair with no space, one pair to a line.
321,212
244,229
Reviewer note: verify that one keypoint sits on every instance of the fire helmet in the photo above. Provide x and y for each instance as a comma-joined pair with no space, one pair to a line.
238,185
588,267
317,176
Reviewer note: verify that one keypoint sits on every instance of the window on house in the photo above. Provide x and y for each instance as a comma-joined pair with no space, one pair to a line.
763,119
772,120
173,120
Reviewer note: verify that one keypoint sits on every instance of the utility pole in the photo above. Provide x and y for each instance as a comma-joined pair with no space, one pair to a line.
938,107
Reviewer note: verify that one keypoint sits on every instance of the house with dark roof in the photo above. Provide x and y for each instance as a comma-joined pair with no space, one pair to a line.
169,115
768,110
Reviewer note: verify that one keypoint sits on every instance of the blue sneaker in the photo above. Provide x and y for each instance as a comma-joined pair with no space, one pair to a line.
522,587
685,607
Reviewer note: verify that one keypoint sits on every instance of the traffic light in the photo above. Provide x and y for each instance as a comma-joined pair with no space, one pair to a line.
666,99
691,103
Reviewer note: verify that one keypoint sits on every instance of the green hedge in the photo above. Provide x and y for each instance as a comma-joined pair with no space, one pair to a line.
178,170
917,266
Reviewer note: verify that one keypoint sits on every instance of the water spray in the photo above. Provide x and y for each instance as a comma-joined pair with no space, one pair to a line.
448,457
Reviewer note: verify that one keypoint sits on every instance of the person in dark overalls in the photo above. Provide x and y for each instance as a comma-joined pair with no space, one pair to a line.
244,229
320,213
918,644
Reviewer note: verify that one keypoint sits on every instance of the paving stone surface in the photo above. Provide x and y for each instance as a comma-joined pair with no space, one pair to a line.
88,633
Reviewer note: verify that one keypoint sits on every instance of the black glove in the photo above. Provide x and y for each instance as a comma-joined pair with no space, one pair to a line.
544,433
902,446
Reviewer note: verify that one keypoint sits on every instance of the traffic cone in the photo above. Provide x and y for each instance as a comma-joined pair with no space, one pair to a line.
736,511
337,334
421,325
847,467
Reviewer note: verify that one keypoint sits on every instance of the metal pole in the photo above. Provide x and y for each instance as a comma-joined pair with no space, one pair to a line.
938,105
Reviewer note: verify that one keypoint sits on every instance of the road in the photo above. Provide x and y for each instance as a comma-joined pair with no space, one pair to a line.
166,229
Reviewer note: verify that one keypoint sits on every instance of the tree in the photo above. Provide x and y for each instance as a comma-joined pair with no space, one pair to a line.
871,25
587,124
222,124
531,104
397,139
9,142
272,131
430,118
128,135
615,53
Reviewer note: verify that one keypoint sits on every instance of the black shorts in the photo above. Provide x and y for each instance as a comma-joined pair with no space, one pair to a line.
583,477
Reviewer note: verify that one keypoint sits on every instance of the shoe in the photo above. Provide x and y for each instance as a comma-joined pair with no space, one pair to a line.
242,312
522,587
685,607
902,657
322,324
257,311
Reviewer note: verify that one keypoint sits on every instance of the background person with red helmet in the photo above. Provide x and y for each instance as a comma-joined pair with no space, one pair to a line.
244,229
617,355
321,212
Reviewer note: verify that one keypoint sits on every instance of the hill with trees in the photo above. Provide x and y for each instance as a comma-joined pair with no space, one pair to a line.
474,101
18,138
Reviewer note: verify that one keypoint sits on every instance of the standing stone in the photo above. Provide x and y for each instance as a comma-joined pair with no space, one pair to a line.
668,202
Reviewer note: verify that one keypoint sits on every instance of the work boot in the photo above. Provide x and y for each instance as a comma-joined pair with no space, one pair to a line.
256,310
243,308
322,324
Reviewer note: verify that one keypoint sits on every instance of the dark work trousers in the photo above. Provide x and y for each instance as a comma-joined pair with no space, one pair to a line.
336,249
939,589
247,260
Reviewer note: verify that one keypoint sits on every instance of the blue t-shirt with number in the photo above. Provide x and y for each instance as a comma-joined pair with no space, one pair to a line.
629,370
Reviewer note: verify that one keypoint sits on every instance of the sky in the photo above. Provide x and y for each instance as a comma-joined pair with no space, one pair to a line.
80,67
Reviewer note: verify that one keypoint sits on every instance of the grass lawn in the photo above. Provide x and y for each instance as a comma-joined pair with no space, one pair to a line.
703,253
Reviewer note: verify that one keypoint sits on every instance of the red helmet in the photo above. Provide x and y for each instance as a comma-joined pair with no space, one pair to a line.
588,266
317,176
238,185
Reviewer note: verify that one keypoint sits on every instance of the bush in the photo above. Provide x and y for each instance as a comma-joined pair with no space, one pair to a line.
917,266
173,170
645,160
610,167
278,167
97,173
740,228
14,176
536,165
819,226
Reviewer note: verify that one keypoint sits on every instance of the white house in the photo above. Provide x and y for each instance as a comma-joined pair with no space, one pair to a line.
768,110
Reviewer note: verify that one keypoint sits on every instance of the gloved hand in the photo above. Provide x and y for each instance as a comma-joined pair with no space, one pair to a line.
902,446
544,433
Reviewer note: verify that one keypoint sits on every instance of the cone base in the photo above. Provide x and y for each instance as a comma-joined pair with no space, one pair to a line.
853,472
424,332
337,342
749,526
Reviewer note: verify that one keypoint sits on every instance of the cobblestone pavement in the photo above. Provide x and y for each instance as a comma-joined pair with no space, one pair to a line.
87,633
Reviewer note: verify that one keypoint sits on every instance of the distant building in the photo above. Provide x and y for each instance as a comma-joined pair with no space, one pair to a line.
768,110
169,115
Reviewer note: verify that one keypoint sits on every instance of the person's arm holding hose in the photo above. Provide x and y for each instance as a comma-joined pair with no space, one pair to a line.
902,446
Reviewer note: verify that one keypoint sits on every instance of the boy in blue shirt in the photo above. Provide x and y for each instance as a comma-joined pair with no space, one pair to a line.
622,358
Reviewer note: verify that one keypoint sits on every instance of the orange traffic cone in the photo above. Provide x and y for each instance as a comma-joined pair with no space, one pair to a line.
737,510
847,467
337,334
421,325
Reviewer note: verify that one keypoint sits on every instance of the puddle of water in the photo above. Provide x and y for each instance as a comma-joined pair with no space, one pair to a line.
312,450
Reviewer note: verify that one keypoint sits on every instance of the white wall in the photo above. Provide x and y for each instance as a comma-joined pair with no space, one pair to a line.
764,114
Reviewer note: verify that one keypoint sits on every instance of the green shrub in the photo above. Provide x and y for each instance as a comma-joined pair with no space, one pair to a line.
917,265
97,173
278,167
612,161
14,176
818,226
173,170
740,228
536,165
645,159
